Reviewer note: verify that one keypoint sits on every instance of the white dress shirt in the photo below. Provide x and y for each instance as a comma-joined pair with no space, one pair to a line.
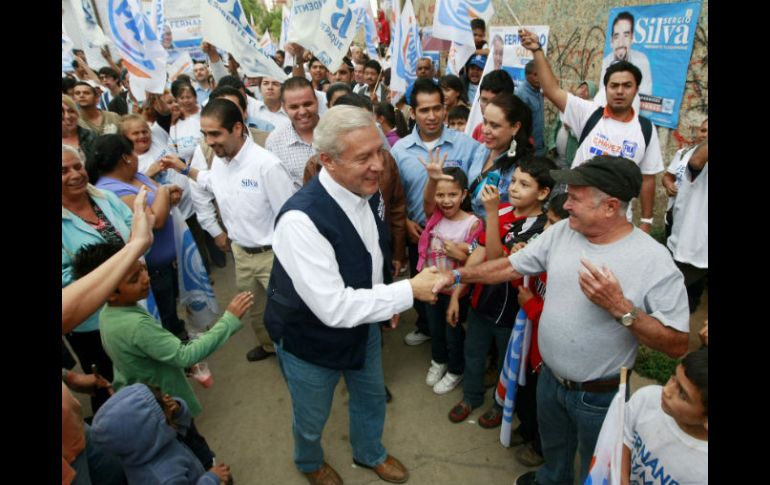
310,262
278,118
250,188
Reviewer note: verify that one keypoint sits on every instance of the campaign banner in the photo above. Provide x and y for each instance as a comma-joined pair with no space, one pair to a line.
407,50
366,20
143,55
266,43
658,39
506,53
66,52
285,21
325,27
452,21
225,26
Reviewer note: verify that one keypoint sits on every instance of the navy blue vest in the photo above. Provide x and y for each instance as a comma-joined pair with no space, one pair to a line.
287,317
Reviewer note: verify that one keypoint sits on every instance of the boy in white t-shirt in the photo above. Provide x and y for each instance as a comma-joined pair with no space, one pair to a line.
666,431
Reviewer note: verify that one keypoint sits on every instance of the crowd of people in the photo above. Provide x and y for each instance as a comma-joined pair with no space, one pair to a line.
343,208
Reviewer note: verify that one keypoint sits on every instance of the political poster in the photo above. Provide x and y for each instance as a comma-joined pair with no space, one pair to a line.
184,21
507,53
658,39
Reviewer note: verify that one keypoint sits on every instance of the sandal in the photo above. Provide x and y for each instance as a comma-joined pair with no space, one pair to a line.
492,418
460,411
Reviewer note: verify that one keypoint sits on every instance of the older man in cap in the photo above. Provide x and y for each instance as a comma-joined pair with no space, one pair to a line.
611,287
329,293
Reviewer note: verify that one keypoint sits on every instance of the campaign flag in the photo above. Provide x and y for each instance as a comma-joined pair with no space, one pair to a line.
370,32
195,291
452,18
458,56
92,35
285,20
606,460
158,17
509,381
225,26
143,55
407,51
658,39
509,56
266,43
325,27
66,52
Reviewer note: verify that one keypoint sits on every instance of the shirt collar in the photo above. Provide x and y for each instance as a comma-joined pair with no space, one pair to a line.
608,114
447,136
240,157
293,137
347,200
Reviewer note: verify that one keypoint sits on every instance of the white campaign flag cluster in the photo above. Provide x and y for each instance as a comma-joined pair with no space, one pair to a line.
92,35
143,55
266,43
224,25
324,27
406,51
66,52
606,460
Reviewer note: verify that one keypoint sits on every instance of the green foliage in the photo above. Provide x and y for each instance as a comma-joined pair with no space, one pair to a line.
264,19
655,365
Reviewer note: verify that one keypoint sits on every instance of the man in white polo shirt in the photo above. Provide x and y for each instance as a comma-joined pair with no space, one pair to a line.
615,129
250,185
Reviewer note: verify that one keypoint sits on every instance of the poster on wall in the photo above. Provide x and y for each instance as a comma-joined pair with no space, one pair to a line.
507,53
658,39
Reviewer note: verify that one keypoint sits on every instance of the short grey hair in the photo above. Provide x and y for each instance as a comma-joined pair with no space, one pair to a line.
600,196
336,123
72,151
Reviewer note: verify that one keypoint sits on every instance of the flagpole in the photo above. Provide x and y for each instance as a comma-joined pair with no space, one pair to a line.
518,22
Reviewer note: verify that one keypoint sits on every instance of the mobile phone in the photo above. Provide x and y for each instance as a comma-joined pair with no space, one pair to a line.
493,178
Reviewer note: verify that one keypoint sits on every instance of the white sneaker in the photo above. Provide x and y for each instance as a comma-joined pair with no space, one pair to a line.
447,383
435,373
416,338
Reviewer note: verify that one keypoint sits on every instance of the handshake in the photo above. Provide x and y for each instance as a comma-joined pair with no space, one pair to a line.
428,282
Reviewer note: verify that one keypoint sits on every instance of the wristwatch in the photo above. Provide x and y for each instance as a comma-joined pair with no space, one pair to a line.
629,318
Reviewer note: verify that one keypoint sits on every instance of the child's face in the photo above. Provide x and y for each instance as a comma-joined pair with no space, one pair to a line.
458,124
524,193
552,219
478,37
448,197
134,287
681,400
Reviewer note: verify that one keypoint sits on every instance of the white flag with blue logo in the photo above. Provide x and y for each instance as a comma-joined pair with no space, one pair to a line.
143,55
452,18
509,381
224,25
406,51
195,291
66,52
266,43
366,20
324,27
285,20
606,461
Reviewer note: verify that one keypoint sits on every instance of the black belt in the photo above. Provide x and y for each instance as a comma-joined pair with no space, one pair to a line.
262,249
598,385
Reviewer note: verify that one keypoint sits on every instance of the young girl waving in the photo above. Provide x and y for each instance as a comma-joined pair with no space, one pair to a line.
449,233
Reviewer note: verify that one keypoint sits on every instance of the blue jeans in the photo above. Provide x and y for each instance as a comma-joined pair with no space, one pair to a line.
312,389
481,332
568,421
446,340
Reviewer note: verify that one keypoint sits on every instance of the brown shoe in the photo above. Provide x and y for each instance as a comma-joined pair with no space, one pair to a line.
324,476
391,470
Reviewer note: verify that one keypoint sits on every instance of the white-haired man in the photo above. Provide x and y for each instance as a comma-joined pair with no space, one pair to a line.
328,295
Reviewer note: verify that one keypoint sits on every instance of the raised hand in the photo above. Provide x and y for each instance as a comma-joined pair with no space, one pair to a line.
529,40
435,165
490,197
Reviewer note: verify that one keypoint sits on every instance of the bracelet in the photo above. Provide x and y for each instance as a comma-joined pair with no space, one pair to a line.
539,48
186,169
456,272
646,220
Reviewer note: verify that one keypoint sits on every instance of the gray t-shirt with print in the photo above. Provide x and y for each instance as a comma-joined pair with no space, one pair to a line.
579,340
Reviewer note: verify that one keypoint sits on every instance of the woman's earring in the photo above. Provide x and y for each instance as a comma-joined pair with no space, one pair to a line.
512,150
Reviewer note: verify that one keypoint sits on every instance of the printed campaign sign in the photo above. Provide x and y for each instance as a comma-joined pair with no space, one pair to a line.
406,51
452,21
507,53
337,22
658,39
92,36
225,26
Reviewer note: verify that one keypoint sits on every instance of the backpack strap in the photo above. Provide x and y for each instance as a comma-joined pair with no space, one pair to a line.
646,130
592,120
